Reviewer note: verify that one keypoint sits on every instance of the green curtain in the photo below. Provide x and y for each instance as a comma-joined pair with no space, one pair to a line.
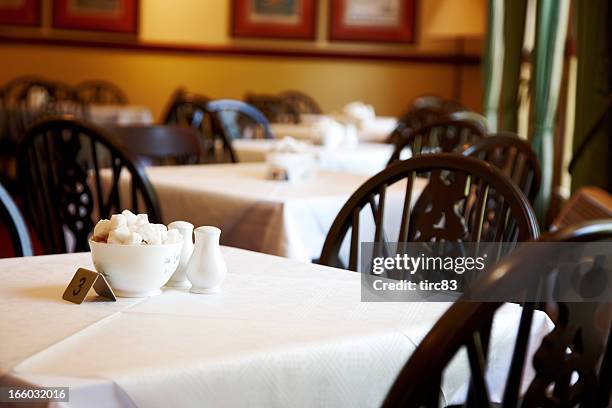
551,29
515,12
593,130
493,63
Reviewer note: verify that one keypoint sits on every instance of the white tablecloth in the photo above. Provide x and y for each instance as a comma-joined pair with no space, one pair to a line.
281,334
376,131
365,158
120,115
289,219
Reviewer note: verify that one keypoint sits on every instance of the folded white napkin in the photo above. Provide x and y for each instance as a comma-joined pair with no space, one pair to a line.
289,160
359,112
332,134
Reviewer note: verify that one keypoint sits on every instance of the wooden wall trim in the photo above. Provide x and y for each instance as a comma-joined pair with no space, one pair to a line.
241,51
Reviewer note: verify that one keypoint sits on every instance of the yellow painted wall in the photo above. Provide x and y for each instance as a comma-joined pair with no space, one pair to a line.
149,78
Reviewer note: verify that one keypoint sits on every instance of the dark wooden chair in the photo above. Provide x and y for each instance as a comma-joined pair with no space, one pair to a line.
192,111
100,92
160,145
301,102
75,172
464,200
573,364
469,115
11,219
239,120
445,136
513,156
275,108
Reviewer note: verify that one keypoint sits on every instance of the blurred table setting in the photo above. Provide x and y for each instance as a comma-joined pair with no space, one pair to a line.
355,123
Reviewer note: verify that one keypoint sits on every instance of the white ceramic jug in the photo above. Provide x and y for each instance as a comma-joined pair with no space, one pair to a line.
179,278
206,269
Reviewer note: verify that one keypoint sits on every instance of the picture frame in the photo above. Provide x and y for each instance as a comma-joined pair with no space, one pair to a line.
20,12
372,20
116,16
278,19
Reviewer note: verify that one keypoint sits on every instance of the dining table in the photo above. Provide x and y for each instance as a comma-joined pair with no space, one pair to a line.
284,218
281,333
364,158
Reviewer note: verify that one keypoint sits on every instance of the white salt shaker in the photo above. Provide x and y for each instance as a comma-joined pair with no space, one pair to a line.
179,278
206,269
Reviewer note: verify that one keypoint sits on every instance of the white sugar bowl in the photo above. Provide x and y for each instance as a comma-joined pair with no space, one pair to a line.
136,270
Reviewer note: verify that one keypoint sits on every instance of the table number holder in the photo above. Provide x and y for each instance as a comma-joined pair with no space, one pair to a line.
82,282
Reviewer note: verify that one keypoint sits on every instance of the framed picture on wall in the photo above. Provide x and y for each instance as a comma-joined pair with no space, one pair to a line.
372,20
118,16
20,12
288,19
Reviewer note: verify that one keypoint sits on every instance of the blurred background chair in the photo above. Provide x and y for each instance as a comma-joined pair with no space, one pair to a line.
100,92
513,156
192,111
239,120
301,102
463,200
443,136
81,174
274,107
573,364
14,225
159,144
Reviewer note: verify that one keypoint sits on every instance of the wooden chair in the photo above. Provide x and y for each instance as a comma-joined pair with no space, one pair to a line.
192,111
513,156
160,145
301,102
239,120
11,218
469,115
73,173
464,200
274,108
100,92
573,364
445,136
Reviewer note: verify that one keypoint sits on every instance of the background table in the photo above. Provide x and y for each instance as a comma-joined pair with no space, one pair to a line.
376,131
120,115
365,158
289,219
280,334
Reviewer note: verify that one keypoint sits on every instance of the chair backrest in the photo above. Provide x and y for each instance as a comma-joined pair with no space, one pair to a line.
443,136
11,218
462,200
239,120
192,111
469,115
513,156
274,107
573,364
100,92
301,102
76,172
159,144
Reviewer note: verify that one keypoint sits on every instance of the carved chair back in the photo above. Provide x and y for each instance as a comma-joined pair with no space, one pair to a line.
443,136
573,364
431,198
76,173
513,156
